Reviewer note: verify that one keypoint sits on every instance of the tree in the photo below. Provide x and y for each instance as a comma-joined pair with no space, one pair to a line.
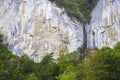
31,76
103,65
27,65
68,74
47,69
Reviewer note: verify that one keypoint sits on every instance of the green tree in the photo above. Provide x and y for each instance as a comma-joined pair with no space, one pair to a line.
27,65
68,74
65,60
47,69
104,64
31,76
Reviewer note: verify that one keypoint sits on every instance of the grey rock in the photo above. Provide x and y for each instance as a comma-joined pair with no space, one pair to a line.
38,27
105,24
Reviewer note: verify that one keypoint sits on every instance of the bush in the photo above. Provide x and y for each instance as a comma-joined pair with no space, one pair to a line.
79,9
104,64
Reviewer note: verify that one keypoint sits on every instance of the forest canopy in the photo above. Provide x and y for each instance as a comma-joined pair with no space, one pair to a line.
102,64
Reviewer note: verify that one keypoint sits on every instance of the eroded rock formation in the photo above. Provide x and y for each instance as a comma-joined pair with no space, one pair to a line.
38,27
104,29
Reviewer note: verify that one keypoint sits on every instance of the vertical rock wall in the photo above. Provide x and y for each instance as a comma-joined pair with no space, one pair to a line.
104,29
37,28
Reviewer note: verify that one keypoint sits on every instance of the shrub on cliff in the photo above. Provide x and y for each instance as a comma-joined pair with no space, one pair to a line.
79,9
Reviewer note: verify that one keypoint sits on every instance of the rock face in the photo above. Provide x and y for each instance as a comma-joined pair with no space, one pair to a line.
38,27
104,28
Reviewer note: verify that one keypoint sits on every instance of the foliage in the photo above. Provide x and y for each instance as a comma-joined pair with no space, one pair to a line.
66,60
79,9
47,69
31,76
103,64
68,74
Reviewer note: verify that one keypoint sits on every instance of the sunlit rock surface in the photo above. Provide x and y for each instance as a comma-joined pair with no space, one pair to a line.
104,28
38,27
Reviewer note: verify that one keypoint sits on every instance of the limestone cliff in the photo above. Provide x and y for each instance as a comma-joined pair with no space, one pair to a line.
38,27
104,28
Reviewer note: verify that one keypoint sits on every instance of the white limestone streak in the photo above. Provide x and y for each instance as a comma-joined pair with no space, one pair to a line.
105,24
37,28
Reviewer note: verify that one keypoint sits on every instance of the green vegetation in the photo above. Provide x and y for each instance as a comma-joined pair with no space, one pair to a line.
103,64
79,9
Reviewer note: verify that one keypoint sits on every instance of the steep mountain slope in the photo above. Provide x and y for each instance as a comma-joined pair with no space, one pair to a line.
38,27
104,29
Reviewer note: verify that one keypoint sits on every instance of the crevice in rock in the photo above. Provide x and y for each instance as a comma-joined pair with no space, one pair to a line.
84,46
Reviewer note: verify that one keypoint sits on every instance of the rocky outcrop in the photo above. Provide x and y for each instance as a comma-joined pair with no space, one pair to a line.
37,28
104,28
